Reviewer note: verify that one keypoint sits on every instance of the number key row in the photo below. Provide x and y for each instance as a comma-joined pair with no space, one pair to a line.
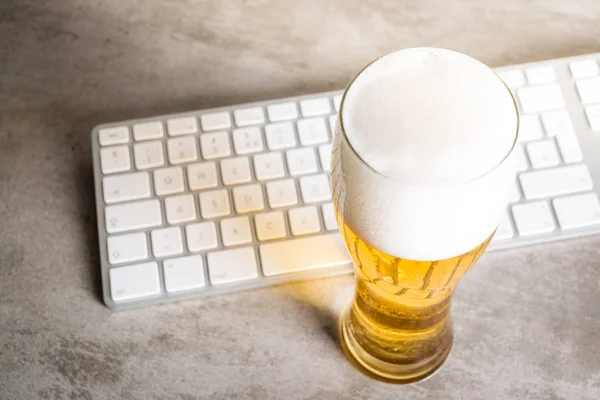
212,145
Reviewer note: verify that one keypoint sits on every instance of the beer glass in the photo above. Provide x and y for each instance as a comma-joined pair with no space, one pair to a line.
422,169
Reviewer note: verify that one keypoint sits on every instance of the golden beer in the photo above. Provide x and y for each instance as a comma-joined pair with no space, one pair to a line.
400,315
422,167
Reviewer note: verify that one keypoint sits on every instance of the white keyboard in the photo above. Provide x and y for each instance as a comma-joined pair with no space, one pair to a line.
239,197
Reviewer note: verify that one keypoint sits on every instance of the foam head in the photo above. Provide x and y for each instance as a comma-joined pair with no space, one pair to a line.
424,160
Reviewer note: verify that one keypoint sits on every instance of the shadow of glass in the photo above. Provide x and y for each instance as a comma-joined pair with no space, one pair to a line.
325,306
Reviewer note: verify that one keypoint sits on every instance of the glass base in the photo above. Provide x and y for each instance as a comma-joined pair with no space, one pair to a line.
385,371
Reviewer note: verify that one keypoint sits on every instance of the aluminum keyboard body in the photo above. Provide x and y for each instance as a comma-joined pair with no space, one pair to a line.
238,197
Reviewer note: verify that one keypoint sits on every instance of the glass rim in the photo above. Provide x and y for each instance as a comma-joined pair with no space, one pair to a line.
362,161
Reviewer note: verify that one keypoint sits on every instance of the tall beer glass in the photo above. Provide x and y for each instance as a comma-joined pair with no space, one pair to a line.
422,168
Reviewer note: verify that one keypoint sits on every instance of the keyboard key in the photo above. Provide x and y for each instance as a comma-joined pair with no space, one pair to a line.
235,231
202,176
329,217
247,140
543,154
166,242
115,159
325,156
182,126
583,68
184,273
127,248
268,166
229,266
270,226
321,251
148,155
593,116
282,193
314,107
180,208
505,229
215,145
216,121
589,90
301,161
131,216
577,211
126,187
315,188
201,236
304,220
248,198
282,112
280,135
249,116
134,281
113,135
530,128
513,79
543,74
555,181
557,123
148,130
235,170
337,101
522,163
533,218
214,203
182,150
312,131
168,180
534,99
569,148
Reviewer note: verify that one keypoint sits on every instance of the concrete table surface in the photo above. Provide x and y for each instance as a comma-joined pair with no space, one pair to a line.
527,321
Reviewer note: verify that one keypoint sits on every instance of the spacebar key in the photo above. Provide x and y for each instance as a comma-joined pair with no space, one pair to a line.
302,254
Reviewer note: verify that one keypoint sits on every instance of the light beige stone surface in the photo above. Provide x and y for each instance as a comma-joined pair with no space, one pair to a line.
527,321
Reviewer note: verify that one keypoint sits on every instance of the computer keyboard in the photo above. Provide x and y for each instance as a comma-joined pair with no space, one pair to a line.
238,197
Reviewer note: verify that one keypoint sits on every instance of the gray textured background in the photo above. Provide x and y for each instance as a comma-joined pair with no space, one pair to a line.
527,321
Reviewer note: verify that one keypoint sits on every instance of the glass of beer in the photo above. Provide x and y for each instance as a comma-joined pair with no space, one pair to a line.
422,169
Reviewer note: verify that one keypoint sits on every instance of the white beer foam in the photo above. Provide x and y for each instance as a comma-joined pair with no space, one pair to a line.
436,129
